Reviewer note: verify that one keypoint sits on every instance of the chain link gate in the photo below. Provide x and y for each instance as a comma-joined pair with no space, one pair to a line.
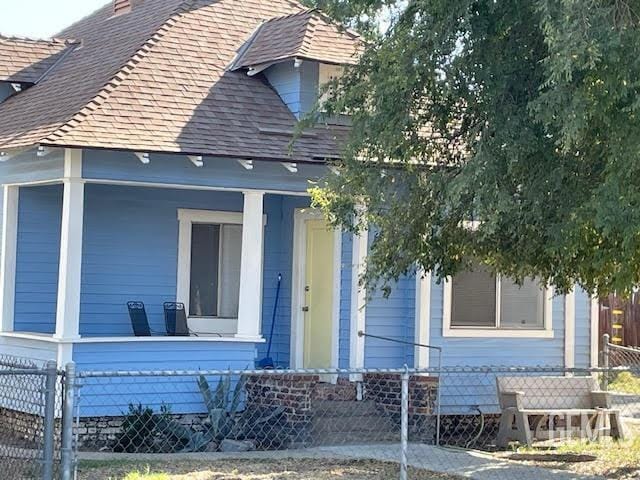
29,405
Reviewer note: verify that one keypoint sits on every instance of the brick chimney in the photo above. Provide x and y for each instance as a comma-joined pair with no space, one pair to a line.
121,6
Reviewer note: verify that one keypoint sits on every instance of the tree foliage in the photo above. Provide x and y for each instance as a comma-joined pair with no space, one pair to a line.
519,115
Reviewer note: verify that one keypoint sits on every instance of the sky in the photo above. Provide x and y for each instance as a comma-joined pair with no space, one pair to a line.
42,18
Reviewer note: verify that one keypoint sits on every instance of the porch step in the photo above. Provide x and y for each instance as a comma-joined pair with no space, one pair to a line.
349,409
351,422
343,390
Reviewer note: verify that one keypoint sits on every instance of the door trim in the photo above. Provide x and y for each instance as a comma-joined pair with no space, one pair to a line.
300,216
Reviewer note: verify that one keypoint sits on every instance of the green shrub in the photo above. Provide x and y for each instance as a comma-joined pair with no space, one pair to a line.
143,431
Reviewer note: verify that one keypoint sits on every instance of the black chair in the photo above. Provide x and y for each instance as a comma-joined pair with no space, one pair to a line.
139,320
175,319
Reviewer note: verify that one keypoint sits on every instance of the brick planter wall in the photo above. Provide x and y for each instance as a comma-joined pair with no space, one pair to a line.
293,397
385,389
294,393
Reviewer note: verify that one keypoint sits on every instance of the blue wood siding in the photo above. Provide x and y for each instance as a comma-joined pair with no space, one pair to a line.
111,396
6,90
391,317
279,245
38,257
130,251
1,214
345,300
28,167
583,329
286,80
131,247
216,172
297,87
497,351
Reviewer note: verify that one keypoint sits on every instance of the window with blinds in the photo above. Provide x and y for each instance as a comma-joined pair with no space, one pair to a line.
479,299
474,299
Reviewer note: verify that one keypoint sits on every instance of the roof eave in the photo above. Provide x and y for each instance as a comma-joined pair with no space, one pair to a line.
313,160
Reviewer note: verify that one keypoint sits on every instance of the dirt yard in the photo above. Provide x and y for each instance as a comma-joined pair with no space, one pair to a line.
250,470
611,460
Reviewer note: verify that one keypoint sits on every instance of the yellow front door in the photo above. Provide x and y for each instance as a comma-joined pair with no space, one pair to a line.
318,295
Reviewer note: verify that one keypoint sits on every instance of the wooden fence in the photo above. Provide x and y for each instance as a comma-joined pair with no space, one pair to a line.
620,318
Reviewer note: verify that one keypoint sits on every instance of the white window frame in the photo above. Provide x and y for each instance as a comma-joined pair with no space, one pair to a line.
326,72
497,331
186,219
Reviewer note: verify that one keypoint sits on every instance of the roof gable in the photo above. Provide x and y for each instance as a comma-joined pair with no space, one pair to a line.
164,86
304,35
24,60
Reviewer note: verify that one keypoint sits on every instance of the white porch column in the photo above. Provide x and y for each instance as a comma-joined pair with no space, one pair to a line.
250,304
423,319
9,239
594,308
68,311
358,300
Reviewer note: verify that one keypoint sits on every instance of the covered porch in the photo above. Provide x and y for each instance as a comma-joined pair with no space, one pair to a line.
213,234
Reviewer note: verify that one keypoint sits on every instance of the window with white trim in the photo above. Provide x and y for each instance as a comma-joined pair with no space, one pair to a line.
210,247
479,301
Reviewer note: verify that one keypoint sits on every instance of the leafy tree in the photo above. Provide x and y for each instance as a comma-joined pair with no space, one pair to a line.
520,115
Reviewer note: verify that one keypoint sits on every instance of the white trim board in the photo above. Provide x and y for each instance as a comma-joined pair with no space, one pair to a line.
570,329
595,331
34,338
175,186
298,271
71,243
422,319
358,315
9,238
179,186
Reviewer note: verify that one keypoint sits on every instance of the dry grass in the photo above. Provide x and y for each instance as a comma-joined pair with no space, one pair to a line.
250,470
626,382
607,458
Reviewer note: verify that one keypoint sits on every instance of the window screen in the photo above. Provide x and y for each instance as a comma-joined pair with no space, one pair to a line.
521,307
473,299
215,270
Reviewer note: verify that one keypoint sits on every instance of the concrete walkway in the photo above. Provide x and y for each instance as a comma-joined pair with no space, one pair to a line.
465,463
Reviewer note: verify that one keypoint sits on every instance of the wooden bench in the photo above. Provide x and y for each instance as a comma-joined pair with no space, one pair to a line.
544,408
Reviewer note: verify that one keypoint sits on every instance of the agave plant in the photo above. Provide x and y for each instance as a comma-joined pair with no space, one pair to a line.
222,405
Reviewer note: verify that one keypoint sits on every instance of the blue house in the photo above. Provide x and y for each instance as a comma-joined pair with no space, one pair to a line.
145,156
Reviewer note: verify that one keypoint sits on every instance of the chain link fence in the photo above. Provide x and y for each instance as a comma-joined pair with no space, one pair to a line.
30,408
423,421
420,419
622,376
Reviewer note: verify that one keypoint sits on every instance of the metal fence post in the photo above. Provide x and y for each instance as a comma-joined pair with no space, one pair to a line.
404,424
439,398
67,422
49,421
605,361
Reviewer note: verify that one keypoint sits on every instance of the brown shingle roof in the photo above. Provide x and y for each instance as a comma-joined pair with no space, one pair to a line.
156,80
307,35
24,60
